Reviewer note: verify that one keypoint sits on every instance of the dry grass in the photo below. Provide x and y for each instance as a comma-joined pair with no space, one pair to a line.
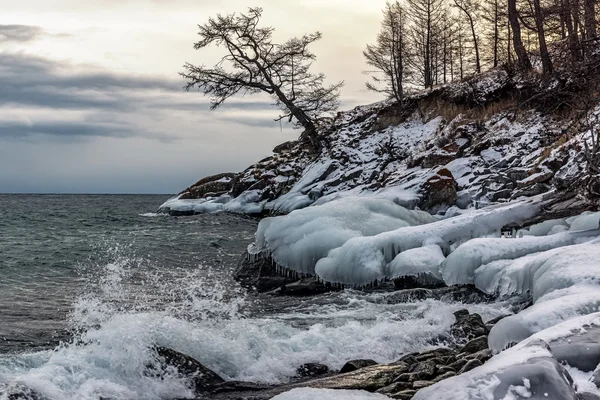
433,107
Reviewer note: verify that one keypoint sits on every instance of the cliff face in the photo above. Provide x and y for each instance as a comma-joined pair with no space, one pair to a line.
487,140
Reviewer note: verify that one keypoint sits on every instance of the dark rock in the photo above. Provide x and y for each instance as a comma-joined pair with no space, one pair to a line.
471,364
217,184
435,353
475,345
417,282
409,296
312,369
468,326
408,359
203,379
235,386
439,191
587,396
490,324
458,364
466,294
303,287
353,365
258,272
483,355
20,392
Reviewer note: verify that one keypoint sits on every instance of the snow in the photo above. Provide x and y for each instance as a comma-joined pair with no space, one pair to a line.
527,373
328,394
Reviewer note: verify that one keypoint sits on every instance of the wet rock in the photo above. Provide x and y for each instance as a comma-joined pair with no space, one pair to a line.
458,364
471,364
236,386
409,296
436,353
492,322
216,184
468,326
442,369
483,355
259,273
311,370
20,392
353,365
303,287
476,345
203,379
466,294
417,282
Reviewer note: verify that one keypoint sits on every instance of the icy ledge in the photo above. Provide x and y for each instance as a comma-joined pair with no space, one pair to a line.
356,241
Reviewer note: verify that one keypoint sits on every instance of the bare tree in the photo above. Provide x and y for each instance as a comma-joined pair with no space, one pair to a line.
426,17
388,55
470,8
513,17
254,64
539,24
590,19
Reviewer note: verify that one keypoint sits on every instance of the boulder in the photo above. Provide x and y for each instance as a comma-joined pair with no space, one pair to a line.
311,370
439,191
353,365
476,345
216,184
468,326
203,379
258,272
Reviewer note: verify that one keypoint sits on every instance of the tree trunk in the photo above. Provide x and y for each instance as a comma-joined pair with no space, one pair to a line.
590,19
524,63
539,24
574,46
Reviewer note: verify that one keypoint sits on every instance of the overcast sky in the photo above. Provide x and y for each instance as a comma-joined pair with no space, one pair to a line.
91,100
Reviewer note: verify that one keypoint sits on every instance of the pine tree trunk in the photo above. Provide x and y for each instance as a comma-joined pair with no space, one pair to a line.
539,24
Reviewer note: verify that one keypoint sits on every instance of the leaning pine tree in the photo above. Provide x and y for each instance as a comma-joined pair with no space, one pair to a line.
254,64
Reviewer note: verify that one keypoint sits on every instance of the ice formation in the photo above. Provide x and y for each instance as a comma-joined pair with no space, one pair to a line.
298,240
424,260
459,268
362,260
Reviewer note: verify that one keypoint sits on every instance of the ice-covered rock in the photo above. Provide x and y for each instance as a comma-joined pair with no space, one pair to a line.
424,260
459,268
300,239
362,259
529,373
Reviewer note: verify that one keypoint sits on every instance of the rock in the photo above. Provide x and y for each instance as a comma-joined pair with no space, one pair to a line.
435,353
439,191
312,369
483,355
236,386
587,396
458,364
203,378
417,282
19,392
404,394
216,184
353,365
446,375
466,294
421,384
471,364
409,296
490,324
476,345
442,369
468,326
257,272
395,387
303,287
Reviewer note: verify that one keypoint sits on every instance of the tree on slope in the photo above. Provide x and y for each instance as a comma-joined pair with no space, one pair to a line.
254,64
426,17
470,8
388,55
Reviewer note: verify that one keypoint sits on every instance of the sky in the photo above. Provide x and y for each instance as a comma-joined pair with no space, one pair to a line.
91,100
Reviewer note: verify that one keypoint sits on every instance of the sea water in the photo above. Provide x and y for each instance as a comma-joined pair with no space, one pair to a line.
90,284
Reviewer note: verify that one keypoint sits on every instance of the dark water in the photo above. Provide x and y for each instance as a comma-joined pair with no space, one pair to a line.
52,245
90,284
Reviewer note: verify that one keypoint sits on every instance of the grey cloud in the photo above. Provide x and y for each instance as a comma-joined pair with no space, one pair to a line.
19,33
14,129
